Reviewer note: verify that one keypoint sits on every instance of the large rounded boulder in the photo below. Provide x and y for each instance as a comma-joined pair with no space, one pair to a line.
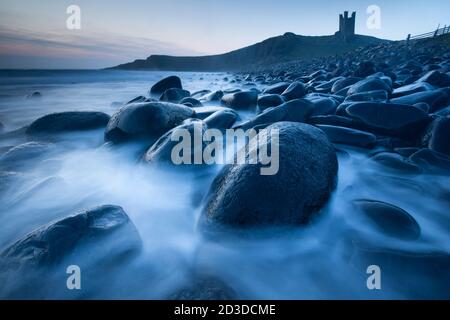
167,83
63,122
241,197
145,120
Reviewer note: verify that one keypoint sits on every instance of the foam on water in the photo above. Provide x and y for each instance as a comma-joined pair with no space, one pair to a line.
299,263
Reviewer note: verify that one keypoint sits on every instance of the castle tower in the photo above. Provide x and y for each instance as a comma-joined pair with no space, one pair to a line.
347,25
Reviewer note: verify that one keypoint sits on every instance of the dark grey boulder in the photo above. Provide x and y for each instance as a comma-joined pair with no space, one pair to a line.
369,84
240,197
364,69
436,78
296,90
396,162
34,95
269,101
189,101
212,96
389,219
137,99
389,118
104,232
26,155
412,88
323,106
333,120
431,161
164,84
277,88
436,99
298,110
344,83
161,151
348,136
145,121
240,100
440,135
222,119
174,95
204,112
372,96
63,122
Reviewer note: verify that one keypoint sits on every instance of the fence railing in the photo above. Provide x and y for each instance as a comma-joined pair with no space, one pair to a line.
436,33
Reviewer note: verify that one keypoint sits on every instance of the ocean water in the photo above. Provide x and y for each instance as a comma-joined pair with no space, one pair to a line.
325,260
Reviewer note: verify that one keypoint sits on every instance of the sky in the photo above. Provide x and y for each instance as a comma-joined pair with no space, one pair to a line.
34,33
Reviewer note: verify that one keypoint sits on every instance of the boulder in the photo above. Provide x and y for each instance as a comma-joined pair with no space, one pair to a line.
222,119
25,155
63,122
344,83
396,162
436,99
269,101
240,100
165,84
348,136
241,197
439,140
191,102
298,110
389,219
103,232
369,84
412,88
389,118
277,88
436,78
145,121
174,95
161,152
296,90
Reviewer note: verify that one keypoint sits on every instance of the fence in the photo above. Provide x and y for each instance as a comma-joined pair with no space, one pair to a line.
438,32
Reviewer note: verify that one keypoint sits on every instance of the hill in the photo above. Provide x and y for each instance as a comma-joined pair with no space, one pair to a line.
274,50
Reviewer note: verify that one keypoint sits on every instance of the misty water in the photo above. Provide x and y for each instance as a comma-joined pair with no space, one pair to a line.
317,261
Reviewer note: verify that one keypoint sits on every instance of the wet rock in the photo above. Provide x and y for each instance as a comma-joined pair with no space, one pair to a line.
298,110
370,96
269,101
64,122
369,84
344,83
323,106
396,162
332,120
436,78
240,197
412,88
165,84
103,231
222,119
137,99
34,95
390,219
436,99
430,160
191,102
277,88
296,90
161,152
145,121
174,95
388,118
26,155
204,112
439,140
364,69
212,96
240,100
349,136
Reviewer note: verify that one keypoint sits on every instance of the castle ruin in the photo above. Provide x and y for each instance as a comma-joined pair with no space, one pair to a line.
346,25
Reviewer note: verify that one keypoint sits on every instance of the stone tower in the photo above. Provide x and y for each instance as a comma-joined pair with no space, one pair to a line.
347,25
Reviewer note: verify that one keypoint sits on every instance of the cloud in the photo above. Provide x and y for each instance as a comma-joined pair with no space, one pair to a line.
85,49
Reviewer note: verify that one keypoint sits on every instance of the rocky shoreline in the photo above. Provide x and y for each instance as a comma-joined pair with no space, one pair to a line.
390,102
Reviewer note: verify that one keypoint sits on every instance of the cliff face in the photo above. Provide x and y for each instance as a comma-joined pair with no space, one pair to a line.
273,50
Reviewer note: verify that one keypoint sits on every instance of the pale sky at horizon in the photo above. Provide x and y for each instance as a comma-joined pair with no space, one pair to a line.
33,34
